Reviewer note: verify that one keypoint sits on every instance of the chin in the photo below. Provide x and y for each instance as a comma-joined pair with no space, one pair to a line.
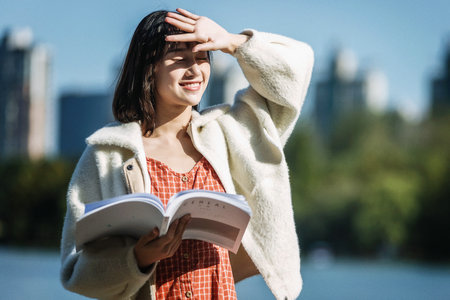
192,101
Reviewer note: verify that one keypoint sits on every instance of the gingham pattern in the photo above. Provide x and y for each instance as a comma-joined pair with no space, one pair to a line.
198,270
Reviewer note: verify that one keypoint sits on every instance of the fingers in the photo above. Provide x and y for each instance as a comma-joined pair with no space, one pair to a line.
180,24
189,23
209,35
176,229
150,248
173,247
172,240
183,224
183,20
180,226
209,46
188,14
180,18
149,237
175,243
186,38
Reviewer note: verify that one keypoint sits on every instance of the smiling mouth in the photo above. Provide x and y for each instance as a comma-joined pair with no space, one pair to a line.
191,86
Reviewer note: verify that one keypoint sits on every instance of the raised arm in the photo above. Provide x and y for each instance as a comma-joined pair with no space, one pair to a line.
278,68
209,35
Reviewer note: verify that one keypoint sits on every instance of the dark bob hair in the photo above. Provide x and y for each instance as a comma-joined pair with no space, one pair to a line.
134,97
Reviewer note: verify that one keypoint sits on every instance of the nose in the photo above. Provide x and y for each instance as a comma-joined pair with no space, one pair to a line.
194,69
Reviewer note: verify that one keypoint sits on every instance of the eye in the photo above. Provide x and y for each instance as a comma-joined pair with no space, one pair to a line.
202,58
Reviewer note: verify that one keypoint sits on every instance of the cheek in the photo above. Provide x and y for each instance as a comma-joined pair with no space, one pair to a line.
206,70
164,81
158,86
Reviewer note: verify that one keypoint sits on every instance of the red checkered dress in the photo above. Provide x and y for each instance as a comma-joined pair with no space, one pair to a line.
198,270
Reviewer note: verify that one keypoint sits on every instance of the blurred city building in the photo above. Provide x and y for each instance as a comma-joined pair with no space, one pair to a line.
226,79
24,95
345,89
81,113
440,86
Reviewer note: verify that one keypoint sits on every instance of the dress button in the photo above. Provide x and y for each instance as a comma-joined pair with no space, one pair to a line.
186,256
188,294
185,179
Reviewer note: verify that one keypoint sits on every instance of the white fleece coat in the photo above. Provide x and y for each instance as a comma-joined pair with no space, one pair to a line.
244,143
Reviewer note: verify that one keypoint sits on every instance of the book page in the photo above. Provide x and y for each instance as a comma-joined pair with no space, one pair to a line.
216,232
131,217
151,199
214,220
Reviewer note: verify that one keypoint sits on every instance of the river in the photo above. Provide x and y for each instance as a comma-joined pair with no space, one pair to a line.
33,274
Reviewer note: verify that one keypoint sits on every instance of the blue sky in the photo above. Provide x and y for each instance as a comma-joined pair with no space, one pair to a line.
403,38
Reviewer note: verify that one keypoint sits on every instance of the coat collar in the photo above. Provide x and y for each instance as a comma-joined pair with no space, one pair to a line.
129,135
208,114
126,135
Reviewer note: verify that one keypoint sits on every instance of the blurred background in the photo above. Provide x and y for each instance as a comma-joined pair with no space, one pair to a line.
369,159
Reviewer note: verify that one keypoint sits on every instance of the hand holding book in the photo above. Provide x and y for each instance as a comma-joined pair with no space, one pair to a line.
214,217
151,248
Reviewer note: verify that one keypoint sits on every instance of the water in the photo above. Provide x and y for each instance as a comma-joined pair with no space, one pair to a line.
33,274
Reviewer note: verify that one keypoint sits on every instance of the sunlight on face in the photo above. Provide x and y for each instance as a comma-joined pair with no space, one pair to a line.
182,76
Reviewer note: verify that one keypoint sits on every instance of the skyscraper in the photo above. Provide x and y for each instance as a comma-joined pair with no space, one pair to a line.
24,82
81,113
344,90
440,89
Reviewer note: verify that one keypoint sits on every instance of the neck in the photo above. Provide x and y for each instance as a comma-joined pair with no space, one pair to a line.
172,123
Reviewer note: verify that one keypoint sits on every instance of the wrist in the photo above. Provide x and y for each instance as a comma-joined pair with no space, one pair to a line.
144,262
236,40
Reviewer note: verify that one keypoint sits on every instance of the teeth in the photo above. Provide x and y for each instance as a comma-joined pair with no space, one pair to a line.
191,84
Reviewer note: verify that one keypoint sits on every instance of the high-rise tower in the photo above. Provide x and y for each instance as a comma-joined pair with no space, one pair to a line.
24,94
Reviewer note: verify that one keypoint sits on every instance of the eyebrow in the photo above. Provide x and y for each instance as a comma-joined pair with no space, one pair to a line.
186,48
176,48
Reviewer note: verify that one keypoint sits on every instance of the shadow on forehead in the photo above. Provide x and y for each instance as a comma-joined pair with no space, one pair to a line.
179,46
172,47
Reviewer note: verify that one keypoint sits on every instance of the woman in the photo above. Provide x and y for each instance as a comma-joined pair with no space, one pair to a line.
160,137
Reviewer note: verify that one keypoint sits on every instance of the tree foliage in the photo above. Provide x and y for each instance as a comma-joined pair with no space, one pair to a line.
377,183
32,201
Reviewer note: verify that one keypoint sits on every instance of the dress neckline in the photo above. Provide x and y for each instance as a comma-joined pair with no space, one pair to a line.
179,174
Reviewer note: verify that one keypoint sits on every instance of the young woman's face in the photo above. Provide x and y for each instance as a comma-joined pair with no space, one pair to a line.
181,76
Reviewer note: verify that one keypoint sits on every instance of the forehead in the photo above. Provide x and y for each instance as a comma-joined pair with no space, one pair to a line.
178,47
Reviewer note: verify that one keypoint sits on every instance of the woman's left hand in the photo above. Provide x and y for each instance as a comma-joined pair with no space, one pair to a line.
208,34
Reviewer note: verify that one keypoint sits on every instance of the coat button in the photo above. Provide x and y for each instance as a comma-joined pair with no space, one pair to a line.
188,294
130,167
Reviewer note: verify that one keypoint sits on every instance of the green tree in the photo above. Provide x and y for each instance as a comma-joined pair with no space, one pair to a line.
378,181
32,197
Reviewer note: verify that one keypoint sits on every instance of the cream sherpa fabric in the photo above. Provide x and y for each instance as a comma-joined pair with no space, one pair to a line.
244,143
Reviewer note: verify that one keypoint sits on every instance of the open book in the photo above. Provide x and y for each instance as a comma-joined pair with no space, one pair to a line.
218,218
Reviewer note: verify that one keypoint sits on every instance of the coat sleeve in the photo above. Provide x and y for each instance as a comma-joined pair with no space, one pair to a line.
106,269
279,72
255,129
